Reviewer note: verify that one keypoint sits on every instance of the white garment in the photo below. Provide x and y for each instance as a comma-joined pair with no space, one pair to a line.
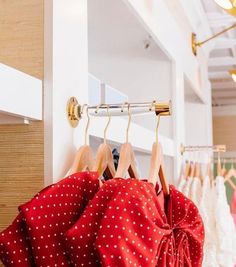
225,228
207,211
186,188
181,184
195,192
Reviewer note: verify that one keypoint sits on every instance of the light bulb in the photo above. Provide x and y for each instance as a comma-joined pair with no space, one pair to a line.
234,77
226,4
233,74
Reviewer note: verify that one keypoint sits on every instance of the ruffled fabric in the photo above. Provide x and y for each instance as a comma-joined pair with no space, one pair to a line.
39,229
15,248
129,224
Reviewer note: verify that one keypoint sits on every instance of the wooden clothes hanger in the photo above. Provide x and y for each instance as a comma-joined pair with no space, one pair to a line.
127,159
104,159
219,168
192,169
157,168
228,176
84,159
187,169
223,170
197,170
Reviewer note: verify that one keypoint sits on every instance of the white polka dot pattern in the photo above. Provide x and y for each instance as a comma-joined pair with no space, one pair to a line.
15,249
128,224
46,218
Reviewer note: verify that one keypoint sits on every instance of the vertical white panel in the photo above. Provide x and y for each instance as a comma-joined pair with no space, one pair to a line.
178,114
66,75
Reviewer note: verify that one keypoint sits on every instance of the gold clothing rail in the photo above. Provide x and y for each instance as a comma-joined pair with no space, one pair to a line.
75,109
214,148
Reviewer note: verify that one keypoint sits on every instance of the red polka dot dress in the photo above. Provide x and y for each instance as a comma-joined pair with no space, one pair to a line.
128,224
39,229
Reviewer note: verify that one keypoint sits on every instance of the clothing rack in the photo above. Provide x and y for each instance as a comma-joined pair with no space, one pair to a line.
225,160
214,148
75,111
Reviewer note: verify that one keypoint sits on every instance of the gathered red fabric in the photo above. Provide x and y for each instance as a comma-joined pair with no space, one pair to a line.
39,228
124,223
15,249
129,224
184,246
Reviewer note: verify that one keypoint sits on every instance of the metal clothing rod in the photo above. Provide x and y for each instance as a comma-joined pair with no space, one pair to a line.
225,160
159,107
214,148
75,111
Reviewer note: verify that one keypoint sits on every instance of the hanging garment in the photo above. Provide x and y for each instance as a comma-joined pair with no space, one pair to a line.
233,207
225,228
45,219
128,224
195,191
182,183
187,186
206,209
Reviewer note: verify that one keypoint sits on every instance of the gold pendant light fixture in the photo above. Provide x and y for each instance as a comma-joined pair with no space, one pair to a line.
233,74
230,7
225,4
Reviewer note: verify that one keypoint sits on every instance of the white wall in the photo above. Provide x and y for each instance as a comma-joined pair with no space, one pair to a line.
114,52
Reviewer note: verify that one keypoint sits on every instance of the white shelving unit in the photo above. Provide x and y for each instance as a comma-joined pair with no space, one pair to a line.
122,54
21,96
140,48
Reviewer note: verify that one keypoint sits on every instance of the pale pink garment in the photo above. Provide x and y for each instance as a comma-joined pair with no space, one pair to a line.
233,206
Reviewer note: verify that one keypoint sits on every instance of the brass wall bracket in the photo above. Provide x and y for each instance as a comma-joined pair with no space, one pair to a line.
73,110
163,109
194,43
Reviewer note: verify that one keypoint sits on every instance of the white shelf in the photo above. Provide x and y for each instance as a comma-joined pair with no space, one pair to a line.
20,97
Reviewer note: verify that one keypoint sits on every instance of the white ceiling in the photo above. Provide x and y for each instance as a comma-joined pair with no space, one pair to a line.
223,56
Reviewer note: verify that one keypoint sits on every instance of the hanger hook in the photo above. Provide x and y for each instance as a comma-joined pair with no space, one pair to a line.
158,123
87,125
129,121
152,105
109,120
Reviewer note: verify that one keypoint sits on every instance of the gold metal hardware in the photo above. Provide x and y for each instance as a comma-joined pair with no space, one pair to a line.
74,109
196,44
129,121
157,127
73,112
230,10
87,125
214,148
163,109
